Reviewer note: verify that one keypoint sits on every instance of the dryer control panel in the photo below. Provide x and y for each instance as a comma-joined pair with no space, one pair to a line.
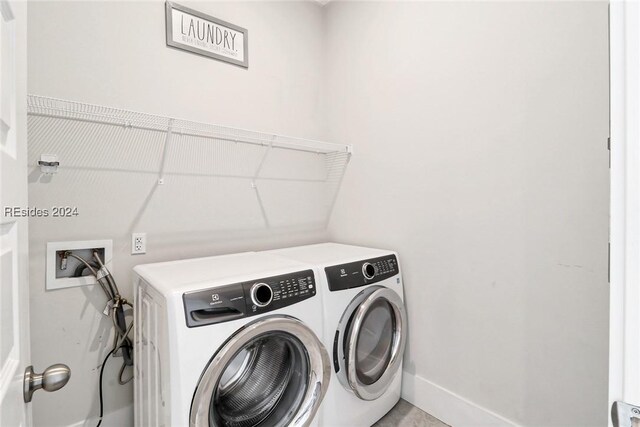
244,299
360,273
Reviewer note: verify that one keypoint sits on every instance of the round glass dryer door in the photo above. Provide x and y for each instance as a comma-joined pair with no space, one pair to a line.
269,374
373,334
374,342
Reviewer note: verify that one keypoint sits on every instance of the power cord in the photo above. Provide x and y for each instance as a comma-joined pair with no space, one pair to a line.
104,363
115,309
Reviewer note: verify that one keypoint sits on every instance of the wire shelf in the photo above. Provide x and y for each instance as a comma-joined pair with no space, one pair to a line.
180,164
91,113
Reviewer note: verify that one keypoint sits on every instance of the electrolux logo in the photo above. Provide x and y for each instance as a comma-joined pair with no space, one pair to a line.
215,299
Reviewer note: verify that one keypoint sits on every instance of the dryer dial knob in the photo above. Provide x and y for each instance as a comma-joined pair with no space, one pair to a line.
369,270
261,294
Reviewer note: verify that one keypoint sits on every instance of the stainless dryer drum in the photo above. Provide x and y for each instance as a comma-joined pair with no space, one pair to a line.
271,373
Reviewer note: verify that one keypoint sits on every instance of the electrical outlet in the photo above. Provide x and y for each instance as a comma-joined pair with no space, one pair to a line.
138,243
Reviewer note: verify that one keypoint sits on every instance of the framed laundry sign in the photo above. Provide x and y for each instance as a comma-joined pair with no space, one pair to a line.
199,33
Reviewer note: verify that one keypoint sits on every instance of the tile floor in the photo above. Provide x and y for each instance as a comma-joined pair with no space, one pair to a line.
404,414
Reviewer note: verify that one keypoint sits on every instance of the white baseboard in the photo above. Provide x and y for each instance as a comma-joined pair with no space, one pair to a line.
447,406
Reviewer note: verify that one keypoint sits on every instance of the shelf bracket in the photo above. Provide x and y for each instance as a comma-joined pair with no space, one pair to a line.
48,164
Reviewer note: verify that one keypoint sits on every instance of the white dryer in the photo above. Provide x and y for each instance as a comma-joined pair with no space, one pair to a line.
364,329
228,341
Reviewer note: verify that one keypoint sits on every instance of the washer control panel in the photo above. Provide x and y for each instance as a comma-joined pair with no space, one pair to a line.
244,299
360,273
293,288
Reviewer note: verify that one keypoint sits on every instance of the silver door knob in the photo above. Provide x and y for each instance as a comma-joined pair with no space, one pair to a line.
53,378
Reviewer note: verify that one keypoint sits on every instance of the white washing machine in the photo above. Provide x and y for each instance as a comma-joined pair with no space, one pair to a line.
228,341
364,329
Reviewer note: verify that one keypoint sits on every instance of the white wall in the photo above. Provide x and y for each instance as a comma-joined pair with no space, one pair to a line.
114,53
480,134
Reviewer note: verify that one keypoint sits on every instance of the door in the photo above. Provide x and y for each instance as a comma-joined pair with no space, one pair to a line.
370,340
624,353
14,285
274,372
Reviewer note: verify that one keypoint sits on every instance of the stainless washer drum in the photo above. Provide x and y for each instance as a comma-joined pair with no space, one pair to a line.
256,380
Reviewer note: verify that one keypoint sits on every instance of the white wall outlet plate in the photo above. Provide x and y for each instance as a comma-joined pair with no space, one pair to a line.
55,275
138,243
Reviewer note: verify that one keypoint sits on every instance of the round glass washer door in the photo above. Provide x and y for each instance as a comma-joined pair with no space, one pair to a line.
272,373
373,342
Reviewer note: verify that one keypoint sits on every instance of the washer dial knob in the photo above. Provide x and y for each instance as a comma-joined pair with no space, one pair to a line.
261,294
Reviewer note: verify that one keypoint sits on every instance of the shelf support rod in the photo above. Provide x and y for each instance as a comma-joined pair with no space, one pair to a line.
167,141
256,175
